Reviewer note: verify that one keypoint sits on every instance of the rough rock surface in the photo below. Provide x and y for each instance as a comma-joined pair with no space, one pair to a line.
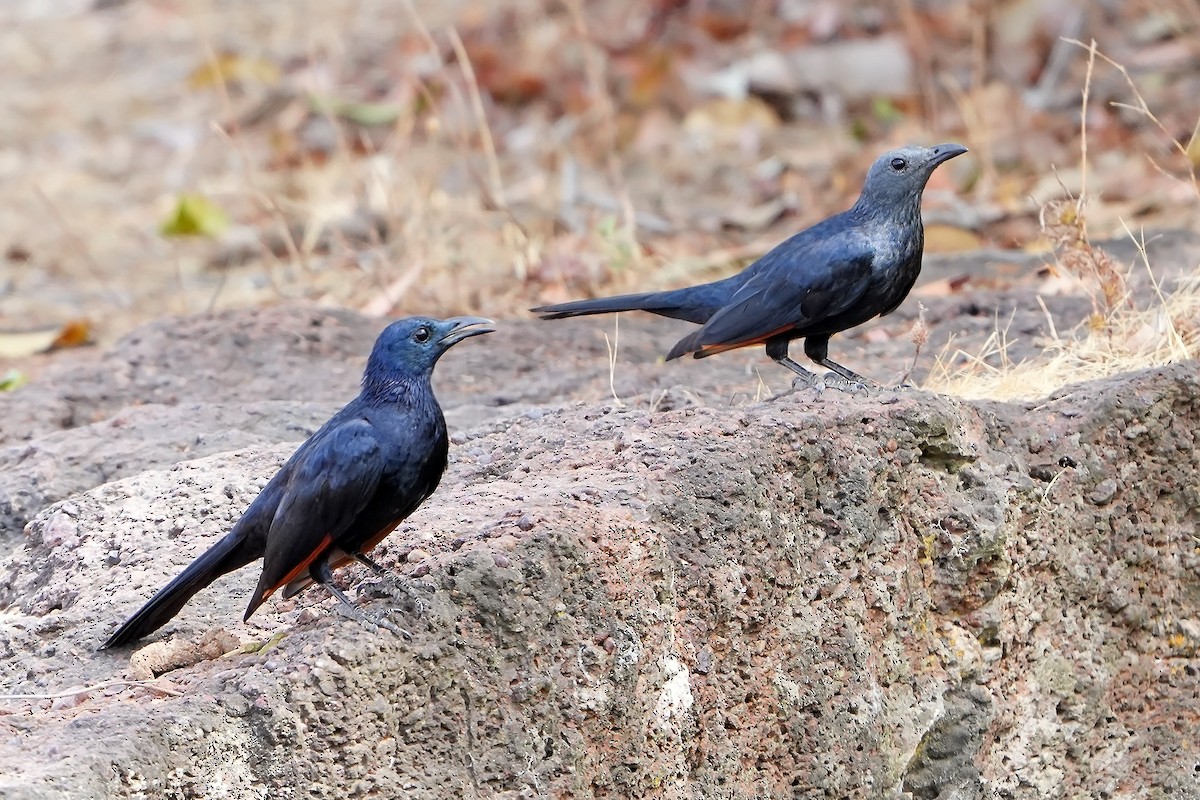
828,595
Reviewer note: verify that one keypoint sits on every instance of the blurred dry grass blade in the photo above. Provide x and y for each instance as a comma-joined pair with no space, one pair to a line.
363,229
1063,224
919,335
1165,331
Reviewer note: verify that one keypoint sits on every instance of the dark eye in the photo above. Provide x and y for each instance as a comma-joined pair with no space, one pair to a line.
421,335
899,164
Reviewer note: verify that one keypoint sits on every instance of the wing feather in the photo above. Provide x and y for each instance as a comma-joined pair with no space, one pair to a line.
327,490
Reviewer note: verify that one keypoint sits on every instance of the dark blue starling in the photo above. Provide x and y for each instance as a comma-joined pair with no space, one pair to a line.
831,277
346,488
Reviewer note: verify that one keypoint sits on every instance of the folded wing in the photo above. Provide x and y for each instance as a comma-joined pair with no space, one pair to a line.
327,490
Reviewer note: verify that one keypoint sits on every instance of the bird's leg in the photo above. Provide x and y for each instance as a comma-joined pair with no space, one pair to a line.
322,574
817,348
777,351
396,587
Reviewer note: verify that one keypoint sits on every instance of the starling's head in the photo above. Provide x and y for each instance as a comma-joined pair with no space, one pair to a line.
898,176
408,348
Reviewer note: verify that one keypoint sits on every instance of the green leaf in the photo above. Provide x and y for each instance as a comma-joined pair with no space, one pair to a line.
364,114
12,379
885,110
367,114
195,215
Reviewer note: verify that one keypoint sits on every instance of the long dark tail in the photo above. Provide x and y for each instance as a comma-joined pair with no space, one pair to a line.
694,304
223,557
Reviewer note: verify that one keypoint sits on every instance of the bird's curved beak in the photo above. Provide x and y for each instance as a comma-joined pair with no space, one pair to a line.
455,329
940,153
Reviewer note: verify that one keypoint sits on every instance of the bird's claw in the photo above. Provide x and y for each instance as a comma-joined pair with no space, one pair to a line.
834,381
374,621
798,385
388,586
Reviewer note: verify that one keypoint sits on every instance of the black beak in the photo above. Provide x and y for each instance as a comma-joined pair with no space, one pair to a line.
944,152
459,328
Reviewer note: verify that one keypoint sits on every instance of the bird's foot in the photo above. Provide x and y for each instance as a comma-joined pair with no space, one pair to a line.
397,589
834,381
799,384
373,621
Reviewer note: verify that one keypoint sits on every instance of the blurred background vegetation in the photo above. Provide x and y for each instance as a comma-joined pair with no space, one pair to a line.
177,156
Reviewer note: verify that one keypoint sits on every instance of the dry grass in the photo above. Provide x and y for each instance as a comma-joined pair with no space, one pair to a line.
1128,339
487,207
1120,335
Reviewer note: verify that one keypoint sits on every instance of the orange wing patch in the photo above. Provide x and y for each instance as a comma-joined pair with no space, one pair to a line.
721,347
296,584
291,576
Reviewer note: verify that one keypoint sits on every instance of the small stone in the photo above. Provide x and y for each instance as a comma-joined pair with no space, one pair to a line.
458,437
1104,492
1189,628
525,523
502,561
306,616
416,555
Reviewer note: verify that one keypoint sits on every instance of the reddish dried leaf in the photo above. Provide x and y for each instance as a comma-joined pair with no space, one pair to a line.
75,333
722,27
652,70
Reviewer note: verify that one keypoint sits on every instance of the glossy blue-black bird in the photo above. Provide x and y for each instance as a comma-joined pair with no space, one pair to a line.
346,488
833,276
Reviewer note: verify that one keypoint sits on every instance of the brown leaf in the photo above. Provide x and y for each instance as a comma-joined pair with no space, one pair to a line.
75,333
722,27
19,344
941,238
227,68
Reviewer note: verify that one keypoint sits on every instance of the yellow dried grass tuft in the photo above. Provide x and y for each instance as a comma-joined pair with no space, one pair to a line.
1118,336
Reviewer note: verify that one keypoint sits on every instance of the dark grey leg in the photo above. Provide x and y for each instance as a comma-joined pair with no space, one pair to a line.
817,348
322,574
395,586
777,351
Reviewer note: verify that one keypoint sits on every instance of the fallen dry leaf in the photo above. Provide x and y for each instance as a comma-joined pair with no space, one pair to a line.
724,119
75,333
20,344
227,68
942,238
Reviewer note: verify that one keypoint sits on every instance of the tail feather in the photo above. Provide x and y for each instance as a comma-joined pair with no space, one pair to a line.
645,301
693,304
223,557
688,344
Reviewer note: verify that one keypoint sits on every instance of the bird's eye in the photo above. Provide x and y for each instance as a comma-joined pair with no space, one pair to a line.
899,164
421,335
